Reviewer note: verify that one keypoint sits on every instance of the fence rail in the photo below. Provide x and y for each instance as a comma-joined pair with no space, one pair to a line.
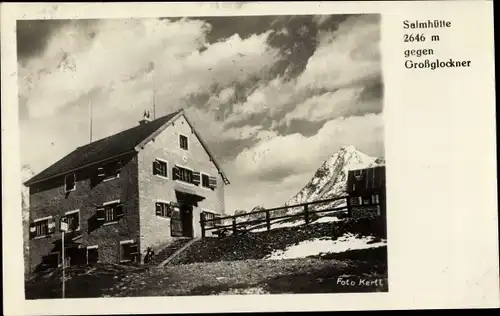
216,224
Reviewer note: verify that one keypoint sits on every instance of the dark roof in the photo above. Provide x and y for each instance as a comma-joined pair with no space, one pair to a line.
103,149
369,179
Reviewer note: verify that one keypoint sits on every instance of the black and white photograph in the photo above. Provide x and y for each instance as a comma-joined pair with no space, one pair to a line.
226,157
193,156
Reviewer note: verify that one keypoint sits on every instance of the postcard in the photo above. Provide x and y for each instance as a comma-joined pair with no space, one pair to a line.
248,157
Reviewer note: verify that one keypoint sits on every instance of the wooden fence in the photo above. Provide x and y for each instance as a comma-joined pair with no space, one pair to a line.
218,226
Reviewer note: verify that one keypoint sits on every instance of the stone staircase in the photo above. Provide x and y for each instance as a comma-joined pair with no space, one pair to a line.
177,253
169,250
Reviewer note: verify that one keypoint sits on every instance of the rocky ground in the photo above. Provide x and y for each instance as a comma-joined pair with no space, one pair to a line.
235,265
305,275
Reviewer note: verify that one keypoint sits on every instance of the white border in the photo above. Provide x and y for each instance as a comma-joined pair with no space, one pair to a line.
449,280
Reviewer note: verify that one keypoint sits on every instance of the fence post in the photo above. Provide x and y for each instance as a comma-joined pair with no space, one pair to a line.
202,222
349,207
234,226
306,213
268,220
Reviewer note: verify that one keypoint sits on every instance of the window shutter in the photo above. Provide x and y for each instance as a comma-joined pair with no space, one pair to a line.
100,214
155,167
175,173
212,182
158,209
119,211
117,167
51,226
133,249
196,177
100,172
32,230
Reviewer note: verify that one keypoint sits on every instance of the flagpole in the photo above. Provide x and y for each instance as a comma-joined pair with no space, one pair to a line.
154,91
63,264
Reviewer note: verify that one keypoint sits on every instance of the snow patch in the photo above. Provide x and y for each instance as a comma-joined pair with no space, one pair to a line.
317,246
328,219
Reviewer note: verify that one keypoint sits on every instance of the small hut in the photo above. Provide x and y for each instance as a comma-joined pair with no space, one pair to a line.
367,193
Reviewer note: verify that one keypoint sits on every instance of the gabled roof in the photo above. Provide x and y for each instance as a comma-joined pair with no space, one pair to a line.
368,179
125,142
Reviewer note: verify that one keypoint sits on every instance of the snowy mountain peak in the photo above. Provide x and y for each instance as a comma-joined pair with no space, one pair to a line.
331,178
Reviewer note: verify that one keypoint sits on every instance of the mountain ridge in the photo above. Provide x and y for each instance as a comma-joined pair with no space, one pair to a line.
330,179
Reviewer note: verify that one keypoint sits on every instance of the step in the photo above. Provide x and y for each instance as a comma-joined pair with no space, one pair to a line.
168,250
177,253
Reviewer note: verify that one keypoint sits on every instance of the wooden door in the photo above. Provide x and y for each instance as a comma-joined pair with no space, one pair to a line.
176,222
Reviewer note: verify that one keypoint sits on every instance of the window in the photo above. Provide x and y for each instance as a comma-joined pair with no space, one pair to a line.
183,142
128,250
92,254
42,227
160,168
110,212
73,220
205,181
355,201
183,174
375,199
358,174
366,200
209,219
109,171
70,182
163,209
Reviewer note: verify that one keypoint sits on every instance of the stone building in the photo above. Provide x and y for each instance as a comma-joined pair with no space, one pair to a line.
143,187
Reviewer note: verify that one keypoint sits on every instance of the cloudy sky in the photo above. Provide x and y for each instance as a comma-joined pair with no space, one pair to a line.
274,96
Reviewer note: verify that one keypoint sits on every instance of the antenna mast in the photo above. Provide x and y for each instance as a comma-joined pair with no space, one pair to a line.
90,132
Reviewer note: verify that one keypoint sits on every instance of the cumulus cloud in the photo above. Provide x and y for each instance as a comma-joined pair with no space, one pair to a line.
273,97
296,153
345,62
348,56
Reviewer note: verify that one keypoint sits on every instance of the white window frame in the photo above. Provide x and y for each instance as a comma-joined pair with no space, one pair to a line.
79,218
112,178
183,182
125,242
92,247
201,180
65,177
41,220
165,202
179,140
110,203
159,175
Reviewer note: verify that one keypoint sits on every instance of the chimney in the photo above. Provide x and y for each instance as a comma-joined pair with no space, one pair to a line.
145,118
